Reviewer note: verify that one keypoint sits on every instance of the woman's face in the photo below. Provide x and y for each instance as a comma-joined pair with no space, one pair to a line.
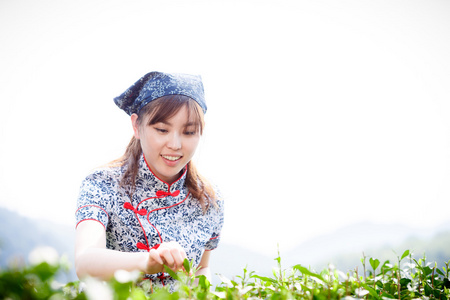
168,146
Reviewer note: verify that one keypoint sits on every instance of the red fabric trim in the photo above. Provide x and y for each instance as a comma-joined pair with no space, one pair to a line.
127,205
165,194
142,246
93,206
143,230
175,193
168,184
145,234
142,212
148,216
157,231
210,240
145,247
162,277
90,220
178,203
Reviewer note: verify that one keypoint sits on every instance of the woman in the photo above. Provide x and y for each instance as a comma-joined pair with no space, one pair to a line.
150,207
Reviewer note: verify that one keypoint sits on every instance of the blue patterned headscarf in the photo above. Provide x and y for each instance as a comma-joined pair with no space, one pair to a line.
157,84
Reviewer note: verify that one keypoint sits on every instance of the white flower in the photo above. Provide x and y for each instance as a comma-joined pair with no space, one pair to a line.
43,254
342,275
411,288
245,290
409,265
97,290
225,280
360,292
123,276
221,295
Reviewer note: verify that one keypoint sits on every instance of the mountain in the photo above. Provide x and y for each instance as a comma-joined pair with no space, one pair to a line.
435,248
20,235
345,247
230,261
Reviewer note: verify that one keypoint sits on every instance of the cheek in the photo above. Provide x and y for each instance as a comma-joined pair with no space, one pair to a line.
192,145
150,142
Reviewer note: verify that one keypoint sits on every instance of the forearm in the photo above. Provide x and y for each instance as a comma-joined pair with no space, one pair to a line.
103,263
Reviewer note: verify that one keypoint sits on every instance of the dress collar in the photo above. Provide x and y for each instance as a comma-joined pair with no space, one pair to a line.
148,180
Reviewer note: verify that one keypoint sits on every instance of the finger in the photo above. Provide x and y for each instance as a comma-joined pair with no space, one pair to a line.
176,245
178,257
183,254
167,257
178,254
156,256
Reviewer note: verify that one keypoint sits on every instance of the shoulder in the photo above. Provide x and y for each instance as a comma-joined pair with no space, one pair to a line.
217,203
103,177
219,196
105,173
100,188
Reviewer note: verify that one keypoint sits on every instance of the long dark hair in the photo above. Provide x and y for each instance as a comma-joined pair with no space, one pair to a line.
160,110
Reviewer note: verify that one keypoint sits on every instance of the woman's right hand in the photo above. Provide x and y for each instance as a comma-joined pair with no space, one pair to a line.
170,254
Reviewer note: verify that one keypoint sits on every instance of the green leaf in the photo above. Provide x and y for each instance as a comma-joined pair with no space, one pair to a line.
203,282
266,279
171,273
386,295
137,294
427,270
446,283
428,290
372,292
404,282
374,263
162,294
405,254
305,271
278,259
186,265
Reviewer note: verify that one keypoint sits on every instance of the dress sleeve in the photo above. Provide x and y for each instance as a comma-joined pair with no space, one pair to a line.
94,200
218,220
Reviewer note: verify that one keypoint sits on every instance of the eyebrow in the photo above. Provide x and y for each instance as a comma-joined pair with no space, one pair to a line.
185,125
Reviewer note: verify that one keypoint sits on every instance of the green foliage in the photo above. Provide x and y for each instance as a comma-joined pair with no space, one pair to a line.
407,279
33,282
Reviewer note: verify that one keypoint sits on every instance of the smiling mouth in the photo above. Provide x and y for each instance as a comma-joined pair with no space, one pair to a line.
171,158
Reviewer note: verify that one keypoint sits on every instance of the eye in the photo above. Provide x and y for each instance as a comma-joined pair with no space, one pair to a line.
160,130
192,130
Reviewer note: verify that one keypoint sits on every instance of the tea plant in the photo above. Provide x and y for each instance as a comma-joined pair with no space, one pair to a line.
406,278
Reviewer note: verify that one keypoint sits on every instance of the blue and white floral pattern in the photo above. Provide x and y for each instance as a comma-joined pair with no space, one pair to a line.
154,85
158,212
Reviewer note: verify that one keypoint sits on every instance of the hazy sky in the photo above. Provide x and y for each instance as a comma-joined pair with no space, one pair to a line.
320,113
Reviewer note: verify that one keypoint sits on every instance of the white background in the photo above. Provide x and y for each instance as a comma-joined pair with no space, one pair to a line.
320,113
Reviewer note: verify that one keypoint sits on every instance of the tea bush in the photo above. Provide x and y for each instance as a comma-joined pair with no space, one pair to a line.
406,278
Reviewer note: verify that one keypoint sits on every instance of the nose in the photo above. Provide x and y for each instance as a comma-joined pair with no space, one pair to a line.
174,141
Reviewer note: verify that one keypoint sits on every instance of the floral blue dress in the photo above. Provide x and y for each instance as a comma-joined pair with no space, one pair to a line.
158,212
